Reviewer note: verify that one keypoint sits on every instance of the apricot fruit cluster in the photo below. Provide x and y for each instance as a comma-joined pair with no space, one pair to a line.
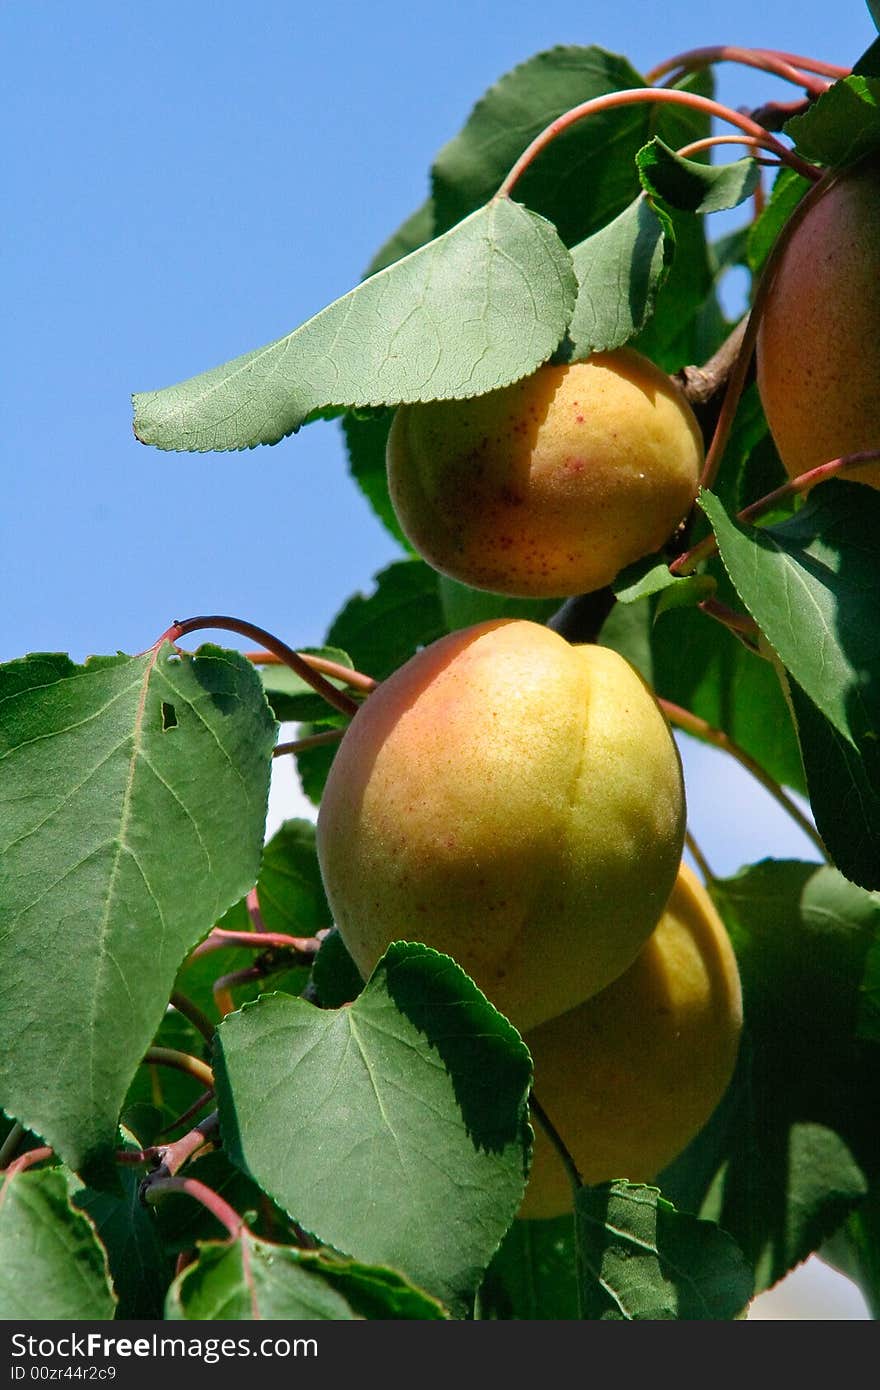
549,487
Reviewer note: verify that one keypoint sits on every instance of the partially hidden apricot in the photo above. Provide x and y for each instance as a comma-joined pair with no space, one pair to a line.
551,486
632,1075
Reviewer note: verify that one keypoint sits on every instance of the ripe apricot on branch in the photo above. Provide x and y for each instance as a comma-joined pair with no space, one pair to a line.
630,1077
818,350
514,801
551,486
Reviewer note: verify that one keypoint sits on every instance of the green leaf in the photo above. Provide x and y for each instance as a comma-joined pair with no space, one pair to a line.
464,606
690,185
841,125
650,576
184,1224
313,764
415,231
290,888
411,1102
49,1253
293,699
123,779
384,629
335,976
868,65
532,1276
250,1280
874,10
619,270
586,175
641,1259
788,189
140,1269
795,1145
869,1013
812,584
480,307
366,439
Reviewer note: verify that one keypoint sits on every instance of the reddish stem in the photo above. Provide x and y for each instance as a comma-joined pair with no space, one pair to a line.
192,1011
783,65
210,1200
286,654
252,903
750,141
740,624
171,1157
191,1110
301,745
700,728
255,941
687,562
653,96
356,679
27,1160
180,1061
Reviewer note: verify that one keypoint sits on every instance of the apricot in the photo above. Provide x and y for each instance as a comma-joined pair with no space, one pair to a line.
629,1077
514,801
818,346
551,486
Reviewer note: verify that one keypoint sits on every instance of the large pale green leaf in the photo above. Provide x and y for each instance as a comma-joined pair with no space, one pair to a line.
478,308
533,1276
842,124
133,796
395,1129
585,176
812,584
51,1263
795,1144
619,270
250,1280
641,1259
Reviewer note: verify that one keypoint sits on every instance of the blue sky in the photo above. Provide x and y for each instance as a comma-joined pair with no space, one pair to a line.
185,182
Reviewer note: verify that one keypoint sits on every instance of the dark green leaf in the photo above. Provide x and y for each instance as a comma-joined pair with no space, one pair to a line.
788,189
250,1280
293,699
366,438
619,270
869,63
690,185
184,1223
795,1145
140,1269
415,231
641,1259
841,125
51,1262
478,308
874,9
386,628
812,584
313,765
107,809
464,606
532,1275
583,179
869,1015
290,888
411,1102
335,976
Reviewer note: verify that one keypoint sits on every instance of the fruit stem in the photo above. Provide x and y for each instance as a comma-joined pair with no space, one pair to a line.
699,858
687,563
634,96
192,1011
708,142
784,65
356,679
700,728
211,1200
301,745
180,1061
557,1141
287,655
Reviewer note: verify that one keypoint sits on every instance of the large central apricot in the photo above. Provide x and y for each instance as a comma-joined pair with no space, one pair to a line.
548,487
514,801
